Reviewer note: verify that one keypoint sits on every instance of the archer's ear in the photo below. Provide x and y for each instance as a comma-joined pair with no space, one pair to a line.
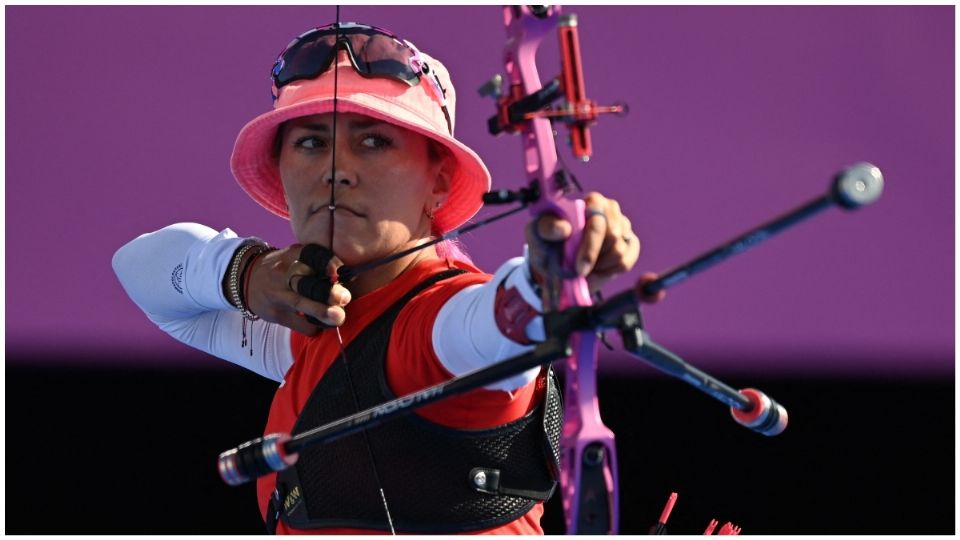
443,177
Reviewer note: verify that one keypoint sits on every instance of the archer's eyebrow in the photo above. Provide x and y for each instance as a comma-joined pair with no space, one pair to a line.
357,125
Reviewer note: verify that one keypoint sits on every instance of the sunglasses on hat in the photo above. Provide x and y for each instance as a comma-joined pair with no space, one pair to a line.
374,52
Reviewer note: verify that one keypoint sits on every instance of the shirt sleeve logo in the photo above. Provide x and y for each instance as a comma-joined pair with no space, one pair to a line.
176,278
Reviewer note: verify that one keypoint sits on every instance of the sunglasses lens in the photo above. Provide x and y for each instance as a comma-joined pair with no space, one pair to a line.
377,54
373,54
305,59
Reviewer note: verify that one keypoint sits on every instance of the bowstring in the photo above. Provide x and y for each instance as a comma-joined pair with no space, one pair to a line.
332,209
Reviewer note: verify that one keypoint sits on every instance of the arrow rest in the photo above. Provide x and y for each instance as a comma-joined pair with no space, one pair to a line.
527,195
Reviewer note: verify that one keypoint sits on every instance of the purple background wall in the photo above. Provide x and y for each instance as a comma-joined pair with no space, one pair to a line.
120,120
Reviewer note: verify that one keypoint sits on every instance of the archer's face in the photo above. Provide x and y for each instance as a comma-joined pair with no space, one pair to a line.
385,186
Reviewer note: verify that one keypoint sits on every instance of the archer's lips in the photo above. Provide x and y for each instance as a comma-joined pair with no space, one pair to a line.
340,207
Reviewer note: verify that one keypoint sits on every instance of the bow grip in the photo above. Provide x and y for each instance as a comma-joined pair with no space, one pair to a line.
573,211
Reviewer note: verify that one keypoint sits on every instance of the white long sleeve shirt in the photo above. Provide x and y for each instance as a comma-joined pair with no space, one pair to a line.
174,275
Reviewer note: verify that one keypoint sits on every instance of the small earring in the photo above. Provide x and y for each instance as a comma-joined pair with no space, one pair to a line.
436,207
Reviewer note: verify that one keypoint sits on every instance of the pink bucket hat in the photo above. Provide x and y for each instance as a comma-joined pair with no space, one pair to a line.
415,108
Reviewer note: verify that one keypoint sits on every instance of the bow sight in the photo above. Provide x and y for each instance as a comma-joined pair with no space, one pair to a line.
514,109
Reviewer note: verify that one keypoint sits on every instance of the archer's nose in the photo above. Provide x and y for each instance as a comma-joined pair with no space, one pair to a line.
342,180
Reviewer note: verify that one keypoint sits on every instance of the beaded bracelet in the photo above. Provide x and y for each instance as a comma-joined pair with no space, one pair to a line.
244,286
234,274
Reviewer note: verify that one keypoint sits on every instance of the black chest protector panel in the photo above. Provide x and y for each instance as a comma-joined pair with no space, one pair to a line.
435,479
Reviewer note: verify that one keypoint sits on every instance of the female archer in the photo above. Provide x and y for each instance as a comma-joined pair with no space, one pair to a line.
358,153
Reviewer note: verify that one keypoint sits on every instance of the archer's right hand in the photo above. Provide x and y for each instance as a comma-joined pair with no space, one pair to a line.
272,285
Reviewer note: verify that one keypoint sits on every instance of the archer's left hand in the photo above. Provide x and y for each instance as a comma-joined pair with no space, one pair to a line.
608,246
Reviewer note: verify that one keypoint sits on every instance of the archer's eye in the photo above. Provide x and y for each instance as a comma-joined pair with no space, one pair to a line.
309,143
376,141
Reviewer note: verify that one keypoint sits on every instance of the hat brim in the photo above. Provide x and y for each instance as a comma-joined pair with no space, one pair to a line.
254,163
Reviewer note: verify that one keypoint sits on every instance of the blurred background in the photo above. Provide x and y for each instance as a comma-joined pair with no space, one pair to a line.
120,120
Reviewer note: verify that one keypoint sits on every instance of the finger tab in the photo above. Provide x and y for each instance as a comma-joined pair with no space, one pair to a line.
315,287
316,257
